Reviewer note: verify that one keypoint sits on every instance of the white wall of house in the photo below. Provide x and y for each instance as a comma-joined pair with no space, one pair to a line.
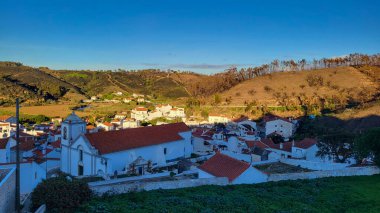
218,119
199,146
31,174
251,175
3,156
203,174
281,127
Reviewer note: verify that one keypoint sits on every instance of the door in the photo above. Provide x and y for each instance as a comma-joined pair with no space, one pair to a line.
80,170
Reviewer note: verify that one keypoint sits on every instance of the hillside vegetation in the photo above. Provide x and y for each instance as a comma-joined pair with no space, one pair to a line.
317,84
41,85
342,194
333,85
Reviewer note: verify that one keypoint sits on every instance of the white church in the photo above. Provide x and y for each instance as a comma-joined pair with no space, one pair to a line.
134,150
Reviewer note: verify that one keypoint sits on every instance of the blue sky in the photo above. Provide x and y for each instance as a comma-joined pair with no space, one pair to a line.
202,36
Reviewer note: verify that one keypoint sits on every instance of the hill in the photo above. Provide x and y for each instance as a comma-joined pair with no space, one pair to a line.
41,85
341,194
335,85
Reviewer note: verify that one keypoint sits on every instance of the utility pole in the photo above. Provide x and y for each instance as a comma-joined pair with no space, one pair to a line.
18,210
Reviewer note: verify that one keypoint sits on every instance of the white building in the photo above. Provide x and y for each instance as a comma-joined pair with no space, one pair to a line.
284,127
154,114
106,126
177,113
237,172
139,113
306,149
164,108
217,118
130,123
107,152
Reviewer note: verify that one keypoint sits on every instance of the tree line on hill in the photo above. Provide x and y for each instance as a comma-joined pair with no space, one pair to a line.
222,81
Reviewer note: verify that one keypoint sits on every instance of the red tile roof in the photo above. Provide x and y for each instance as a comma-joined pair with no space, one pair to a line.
4,117
107,124
141,109
305,143
26,144
269,118
120,140
287,146
56,144
221,165
252,144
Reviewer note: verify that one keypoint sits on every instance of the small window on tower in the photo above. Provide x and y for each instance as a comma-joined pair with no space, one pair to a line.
164,151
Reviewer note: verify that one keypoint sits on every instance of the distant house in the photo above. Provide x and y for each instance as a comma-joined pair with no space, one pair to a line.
306,149
164,108
133,150
218,118
140,100
127,100
120,116
177,113
237,172
284,127
5,129
139,113
130,123
106,126
91,129
202,140
8,119
154,114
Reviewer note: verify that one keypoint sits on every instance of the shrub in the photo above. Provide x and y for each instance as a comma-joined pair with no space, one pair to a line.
60,194
267,89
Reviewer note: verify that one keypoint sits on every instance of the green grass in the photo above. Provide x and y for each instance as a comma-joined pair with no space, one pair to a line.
341,194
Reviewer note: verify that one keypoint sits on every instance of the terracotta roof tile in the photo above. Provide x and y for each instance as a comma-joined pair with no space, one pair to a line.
115,141
221,165
305,143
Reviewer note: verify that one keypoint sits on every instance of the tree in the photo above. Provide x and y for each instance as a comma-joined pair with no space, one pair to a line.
337,146
367,145
60,194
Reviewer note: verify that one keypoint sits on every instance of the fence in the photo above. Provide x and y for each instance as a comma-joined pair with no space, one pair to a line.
147,186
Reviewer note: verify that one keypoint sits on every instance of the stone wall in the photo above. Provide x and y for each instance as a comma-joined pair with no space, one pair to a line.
7,190
350,171
147,186
313,165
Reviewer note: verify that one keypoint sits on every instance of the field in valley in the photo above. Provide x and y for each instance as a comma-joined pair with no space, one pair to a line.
339,194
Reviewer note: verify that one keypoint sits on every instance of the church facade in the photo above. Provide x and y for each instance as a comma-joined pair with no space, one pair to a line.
134,150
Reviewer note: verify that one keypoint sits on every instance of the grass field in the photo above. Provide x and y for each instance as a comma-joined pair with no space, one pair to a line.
341,194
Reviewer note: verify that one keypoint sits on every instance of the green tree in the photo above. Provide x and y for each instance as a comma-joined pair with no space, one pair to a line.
368,145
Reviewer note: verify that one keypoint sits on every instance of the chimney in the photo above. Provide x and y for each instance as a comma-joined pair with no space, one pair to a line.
281,145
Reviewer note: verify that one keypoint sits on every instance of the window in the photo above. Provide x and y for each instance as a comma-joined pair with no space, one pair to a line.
165,151
80,150
35,175
64,133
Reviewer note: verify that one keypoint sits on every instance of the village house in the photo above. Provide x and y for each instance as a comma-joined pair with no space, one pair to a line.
177,113
120,116
130,123
164,108
131,150
5,129
127,100
202,140
140,100
135,95
91,129
154,114
139,113
106,126
284,127
306,149
237,172
217,118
